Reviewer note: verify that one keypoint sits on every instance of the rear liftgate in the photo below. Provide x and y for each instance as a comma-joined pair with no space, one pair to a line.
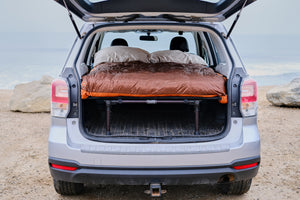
160,10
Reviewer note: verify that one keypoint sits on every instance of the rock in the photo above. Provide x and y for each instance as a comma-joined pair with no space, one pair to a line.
286,95
34,96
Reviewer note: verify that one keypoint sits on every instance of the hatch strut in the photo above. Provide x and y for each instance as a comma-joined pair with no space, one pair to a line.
235,21
73,22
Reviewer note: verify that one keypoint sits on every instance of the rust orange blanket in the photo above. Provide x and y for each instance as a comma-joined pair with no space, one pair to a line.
138,79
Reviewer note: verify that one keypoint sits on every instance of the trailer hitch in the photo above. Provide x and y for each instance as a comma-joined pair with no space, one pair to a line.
155,190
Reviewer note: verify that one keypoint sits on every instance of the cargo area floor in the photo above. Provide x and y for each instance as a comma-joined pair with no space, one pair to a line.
128,120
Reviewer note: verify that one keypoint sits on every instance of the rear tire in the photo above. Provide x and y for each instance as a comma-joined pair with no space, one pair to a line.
68,188
236,188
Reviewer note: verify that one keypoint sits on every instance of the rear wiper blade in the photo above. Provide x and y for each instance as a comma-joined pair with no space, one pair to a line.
132,17
235,21
126,18
180,18
173,18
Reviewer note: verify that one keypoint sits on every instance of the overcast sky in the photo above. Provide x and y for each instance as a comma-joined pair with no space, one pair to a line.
262,17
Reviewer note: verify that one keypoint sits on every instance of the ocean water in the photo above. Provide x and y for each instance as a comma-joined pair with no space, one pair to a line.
270,60
24,57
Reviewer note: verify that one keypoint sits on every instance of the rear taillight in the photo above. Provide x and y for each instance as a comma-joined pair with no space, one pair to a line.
249,98
60,98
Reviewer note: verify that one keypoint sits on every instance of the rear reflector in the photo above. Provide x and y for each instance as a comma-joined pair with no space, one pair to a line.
245,166
64,167
249,98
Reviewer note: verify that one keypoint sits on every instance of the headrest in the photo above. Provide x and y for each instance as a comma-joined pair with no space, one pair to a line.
179,43
119,42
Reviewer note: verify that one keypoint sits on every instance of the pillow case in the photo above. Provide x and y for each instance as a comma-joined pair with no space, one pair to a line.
176,56
121,54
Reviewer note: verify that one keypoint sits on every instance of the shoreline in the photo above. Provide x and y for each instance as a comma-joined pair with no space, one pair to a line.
25,174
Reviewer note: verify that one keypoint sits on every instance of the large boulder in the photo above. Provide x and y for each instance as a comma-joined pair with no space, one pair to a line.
286,95
34,96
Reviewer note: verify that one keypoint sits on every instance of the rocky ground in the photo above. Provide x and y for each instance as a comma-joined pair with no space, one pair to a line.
24,171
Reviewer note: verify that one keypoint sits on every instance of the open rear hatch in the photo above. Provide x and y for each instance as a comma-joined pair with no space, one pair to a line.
124,10
189,119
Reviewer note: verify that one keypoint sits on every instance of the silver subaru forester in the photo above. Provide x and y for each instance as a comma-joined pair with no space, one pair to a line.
132,138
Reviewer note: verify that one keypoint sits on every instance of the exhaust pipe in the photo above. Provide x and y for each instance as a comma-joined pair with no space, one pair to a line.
226,178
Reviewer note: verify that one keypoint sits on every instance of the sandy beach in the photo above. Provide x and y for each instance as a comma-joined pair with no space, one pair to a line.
25,175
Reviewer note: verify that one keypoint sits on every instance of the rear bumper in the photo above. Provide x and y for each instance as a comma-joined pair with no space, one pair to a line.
145,176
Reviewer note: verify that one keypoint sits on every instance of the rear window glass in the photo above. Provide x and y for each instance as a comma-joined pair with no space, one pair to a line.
162,40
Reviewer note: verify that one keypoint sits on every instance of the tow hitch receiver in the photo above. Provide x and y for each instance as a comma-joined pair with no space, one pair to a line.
155,190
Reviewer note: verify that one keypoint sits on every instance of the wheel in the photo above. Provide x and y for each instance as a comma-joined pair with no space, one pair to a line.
237,187
68,188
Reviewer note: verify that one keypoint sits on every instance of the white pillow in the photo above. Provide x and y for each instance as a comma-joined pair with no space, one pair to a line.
121,54
176,56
